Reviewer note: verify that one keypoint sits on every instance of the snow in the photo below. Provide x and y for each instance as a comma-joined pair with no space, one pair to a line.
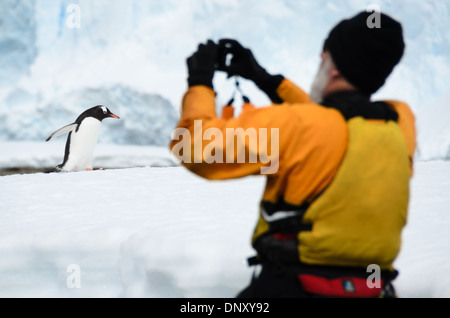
160,231
138,232
424,260
49,155
144,227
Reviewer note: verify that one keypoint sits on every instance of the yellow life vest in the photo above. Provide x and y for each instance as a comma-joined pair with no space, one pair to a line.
358,219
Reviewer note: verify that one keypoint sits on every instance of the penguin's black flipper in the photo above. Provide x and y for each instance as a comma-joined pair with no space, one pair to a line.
63,130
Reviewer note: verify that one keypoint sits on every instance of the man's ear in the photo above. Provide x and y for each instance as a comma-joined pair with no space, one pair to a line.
335,74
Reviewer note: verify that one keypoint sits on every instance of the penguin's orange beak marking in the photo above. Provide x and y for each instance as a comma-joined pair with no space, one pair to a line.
114,116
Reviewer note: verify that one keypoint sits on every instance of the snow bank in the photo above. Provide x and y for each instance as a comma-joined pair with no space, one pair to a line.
41,155
163,232
424,259
433,133
133,233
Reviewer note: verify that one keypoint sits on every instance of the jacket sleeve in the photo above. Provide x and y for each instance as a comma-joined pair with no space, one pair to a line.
291,93
215,148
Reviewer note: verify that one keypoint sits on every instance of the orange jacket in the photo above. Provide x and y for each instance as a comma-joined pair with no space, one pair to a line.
311,142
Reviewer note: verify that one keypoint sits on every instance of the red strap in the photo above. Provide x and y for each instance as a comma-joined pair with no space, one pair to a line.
285,237
338,287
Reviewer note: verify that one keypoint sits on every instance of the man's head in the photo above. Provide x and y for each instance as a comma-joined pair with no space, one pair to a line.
358,56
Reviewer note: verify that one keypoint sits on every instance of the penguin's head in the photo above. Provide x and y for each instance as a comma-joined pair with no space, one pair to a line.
101,112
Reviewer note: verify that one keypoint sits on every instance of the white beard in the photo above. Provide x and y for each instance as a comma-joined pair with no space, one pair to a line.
320,82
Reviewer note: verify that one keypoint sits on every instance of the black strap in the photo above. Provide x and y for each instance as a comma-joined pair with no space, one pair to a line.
239,90
254,260
355,104
287,225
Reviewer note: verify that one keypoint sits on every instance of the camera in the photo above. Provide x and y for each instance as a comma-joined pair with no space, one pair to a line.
224,57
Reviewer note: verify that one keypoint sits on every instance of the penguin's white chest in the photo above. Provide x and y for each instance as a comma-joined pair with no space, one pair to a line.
82,145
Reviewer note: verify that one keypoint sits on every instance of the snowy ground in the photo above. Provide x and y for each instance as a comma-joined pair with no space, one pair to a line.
163,232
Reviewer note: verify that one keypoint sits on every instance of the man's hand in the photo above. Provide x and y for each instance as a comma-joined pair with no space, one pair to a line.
202,65
244,64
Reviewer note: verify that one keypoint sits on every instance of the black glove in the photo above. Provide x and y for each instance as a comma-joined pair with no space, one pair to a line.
244,64
202,65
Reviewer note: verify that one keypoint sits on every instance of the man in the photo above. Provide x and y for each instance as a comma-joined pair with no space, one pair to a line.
338,201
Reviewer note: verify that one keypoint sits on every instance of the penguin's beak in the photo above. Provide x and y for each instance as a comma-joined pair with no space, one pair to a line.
114,116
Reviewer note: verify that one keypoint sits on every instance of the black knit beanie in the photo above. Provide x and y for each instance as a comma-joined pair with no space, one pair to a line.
366,56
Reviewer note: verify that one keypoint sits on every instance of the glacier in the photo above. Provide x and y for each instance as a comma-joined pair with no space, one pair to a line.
130,55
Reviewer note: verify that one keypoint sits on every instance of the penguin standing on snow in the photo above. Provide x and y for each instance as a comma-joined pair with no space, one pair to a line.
82,139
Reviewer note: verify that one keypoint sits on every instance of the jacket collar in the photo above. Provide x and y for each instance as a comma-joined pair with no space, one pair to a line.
355,104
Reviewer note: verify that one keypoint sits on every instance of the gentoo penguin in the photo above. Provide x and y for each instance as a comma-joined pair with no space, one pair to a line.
83,136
